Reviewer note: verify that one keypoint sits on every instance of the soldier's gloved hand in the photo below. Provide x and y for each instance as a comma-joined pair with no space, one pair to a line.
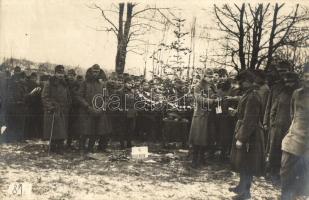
238,144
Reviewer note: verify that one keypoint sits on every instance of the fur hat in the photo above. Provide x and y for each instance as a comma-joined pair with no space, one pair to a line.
96,67
17,69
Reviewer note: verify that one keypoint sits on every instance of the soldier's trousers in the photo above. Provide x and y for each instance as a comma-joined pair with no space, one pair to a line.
130,128
15,118
294,176
103,141
56,145
198,155
91,141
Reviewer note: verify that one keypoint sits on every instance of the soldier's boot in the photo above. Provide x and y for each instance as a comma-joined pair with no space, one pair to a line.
129,138
235,189
60,147
53,146
223,154
69,143
287,194
201,157
244,187
82,144
122,146
275,176
240,188
103,141
195,155
90,148
129,143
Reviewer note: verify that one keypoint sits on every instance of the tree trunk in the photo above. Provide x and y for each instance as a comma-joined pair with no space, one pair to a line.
272,37
242,58
257,34
119,39
123,37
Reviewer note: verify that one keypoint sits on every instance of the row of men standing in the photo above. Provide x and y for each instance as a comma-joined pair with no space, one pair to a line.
263,120
286,124
29,109
20,106
61,108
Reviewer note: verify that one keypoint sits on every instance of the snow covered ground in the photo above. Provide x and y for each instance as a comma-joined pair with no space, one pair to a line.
163,175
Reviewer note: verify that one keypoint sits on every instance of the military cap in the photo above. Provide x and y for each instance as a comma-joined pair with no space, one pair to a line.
59,69
17,69
79,78
71,72
96,67
33,74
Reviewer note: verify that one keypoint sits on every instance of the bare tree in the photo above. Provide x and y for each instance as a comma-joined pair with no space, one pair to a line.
132,29
255,33
296,52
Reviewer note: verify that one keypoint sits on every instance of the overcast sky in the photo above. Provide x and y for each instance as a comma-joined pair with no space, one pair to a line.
60,31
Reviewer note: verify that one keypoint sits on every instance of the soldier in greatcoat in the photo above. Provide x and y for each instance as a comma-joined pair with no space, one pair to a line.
280,122
202,127
277,85
74,116
34,121
16,107
56,102
4,77
224,120
247,154
92,97
130,111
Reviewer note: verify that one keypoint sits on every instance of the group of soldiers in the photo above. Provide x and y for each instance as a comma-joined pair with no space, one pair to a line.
270,135
246,117
65,107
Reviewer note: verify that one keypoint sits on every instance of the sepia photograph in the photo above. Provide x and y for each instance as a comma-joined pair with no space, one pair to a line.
154,100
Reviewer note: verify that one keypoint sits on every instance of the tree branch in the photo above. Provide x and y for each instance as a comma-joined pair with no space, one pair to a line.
106,18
